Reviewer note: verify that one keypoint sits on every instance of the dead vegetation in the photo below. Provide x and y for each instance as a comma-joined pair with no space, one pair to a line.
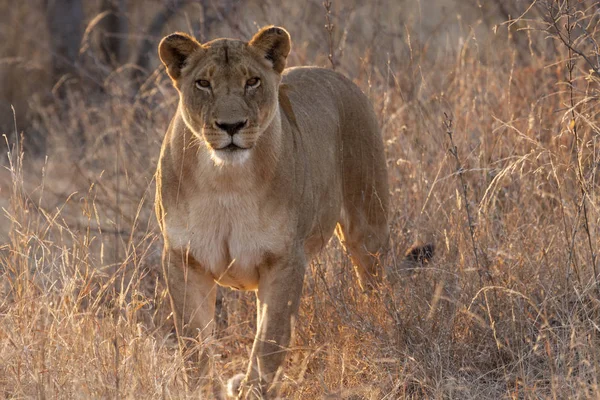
491,127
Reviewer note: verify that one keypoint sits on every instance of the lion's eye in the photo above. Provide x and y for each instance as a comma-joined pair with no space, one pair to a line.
253,83
202,84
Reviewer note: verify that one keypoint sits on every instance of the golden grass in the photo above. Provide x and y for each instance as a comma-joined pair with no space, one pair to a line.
83,312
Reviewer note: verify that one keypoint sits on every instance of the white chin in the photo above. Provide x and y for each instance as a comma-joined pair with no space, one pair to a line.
227,157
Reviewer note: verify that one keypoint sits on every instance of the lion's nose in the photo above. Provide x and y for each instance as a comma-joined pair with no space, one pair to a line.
231,128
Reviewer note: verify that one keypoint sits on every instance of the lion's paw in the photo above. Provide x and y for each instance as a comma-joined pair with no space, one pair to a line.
239,388
233,385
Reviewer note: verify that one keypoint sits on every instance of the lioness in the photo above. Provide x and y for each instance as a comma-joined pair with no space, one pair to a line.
258,166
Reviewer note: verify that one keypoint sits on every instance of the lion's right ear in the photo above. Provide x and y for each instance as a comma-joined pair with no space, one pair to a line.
174,50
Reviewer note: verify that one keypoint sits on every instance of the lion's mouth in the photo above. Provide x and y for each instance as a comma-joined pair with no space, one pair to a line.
231,147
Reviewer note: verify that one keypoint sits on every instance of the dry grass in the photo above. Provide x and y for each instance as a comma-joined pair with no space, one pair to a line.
509,307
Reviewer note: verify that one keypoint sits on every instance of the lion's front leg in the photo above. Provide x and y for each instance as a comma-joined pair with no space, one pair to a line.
193,294
278,299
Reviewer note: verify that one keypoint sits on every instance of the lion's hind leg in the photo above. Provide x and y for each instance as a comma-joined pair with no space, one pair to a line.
363,224
365,237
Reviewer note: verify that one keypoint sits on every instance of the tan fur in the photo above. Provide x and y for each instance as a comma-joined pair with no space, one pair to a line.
309,157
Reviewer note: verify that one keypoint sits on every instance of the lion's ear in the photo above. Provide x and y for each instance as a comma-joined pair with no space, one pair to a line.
275,43
174,50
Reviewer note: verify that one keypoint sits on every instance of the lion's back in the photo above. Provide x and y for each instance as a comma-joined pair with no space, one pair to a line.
341,130
333,102
323,88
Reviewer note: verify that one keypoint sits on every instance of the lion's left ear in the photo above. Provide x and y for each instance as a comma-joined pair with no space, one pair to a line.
275,43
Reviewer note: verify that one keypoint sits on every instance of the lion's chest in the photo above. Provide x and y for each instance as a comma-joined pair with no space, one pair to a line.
229,235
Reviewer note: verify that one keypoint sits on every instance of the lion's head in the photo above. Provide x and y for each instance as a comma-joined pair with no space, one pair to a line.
228,88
